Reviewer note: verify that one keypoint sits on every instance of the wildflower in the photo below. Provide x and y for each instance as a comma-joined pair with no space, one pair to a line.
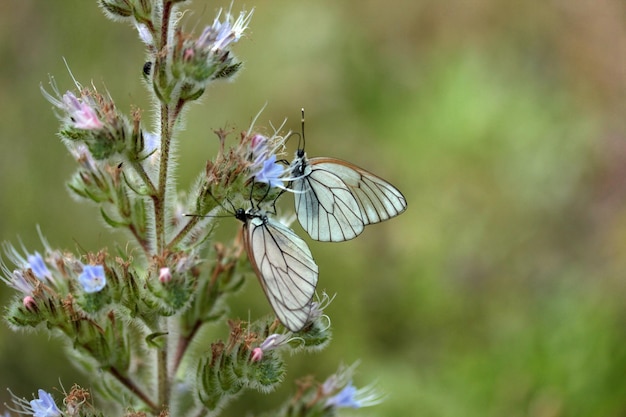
82,114
262,156
219,35
44,406
92,278
318,307
271,172
350,397
19,281
273,341
38,266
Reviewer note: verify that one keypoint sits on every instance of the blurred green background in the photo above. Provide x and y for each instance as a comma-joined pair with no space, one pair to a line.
502,289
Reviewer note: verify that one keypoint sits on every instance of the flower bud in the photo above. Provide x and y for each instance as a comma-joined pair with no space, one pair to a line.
30,304
165,275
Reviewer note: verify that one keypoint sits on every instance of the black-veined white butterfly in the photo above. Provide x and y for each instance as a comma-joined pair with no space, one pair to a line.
284,265
336,199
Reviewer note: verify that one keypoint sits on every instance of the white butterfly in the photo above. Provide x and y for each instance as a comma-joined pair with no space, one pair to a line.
284,265
336,199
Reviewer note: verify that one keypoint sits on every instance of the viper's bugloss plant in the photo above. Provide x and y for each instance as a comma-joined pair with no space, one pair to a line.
129,321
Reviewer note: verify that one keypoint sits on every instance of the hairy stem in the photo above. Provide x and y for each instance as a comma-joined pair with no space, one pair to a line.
193,220
132,387
139,169
183,344
163,384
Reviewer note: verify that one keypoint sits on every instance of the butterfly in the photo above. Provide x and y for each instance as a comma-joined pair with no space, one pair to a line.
284,265
335,199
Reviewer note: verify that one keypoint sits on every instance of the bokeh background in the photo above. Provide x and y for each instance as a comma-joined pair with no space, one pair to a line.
502,289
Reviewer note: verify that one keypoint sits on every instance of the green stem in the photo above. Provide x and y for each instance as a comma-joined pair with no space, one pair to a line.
163,383
183,344
163,387
144,176
128,383
184,231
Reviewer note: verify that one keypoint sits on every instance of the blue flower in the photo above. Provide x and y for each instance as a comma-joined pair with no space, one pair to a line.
92,278
271,172
44,406
346,398
38,266
350,397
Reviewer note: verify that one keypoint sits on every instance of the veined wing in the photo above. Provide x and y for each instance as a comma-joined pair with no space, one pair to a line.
377,199
285,267
325,206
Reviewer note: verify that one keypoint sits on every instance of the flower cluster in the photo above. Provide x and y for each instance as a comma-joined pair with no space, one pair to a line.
33,275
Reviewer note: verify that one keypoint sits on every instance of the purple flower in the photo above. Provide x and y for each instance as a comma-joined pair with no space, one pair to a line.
219,35
18,281
44,406
79,113
83,116
273,341
92,278
38,266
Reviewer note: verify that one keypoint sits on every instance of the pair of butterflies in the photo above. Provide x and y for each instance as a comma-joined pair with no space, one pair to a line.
334,201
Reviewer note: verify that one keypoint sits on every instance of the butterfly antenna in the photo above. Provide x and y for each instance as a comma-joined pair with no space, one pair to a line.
258,205
302,136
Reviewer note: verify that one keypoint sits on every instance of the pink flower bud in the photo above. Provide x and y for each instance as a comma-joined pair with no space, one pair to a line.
30,303
165,275
257,354
188,54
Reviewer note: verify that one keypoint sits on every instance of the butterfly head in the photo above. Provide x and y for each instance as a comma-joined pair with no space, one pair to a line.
240,214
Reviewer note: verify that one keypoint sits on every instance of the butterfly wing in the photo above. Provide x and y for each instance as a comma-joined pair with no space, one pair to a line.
325,206
285,267
377,199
